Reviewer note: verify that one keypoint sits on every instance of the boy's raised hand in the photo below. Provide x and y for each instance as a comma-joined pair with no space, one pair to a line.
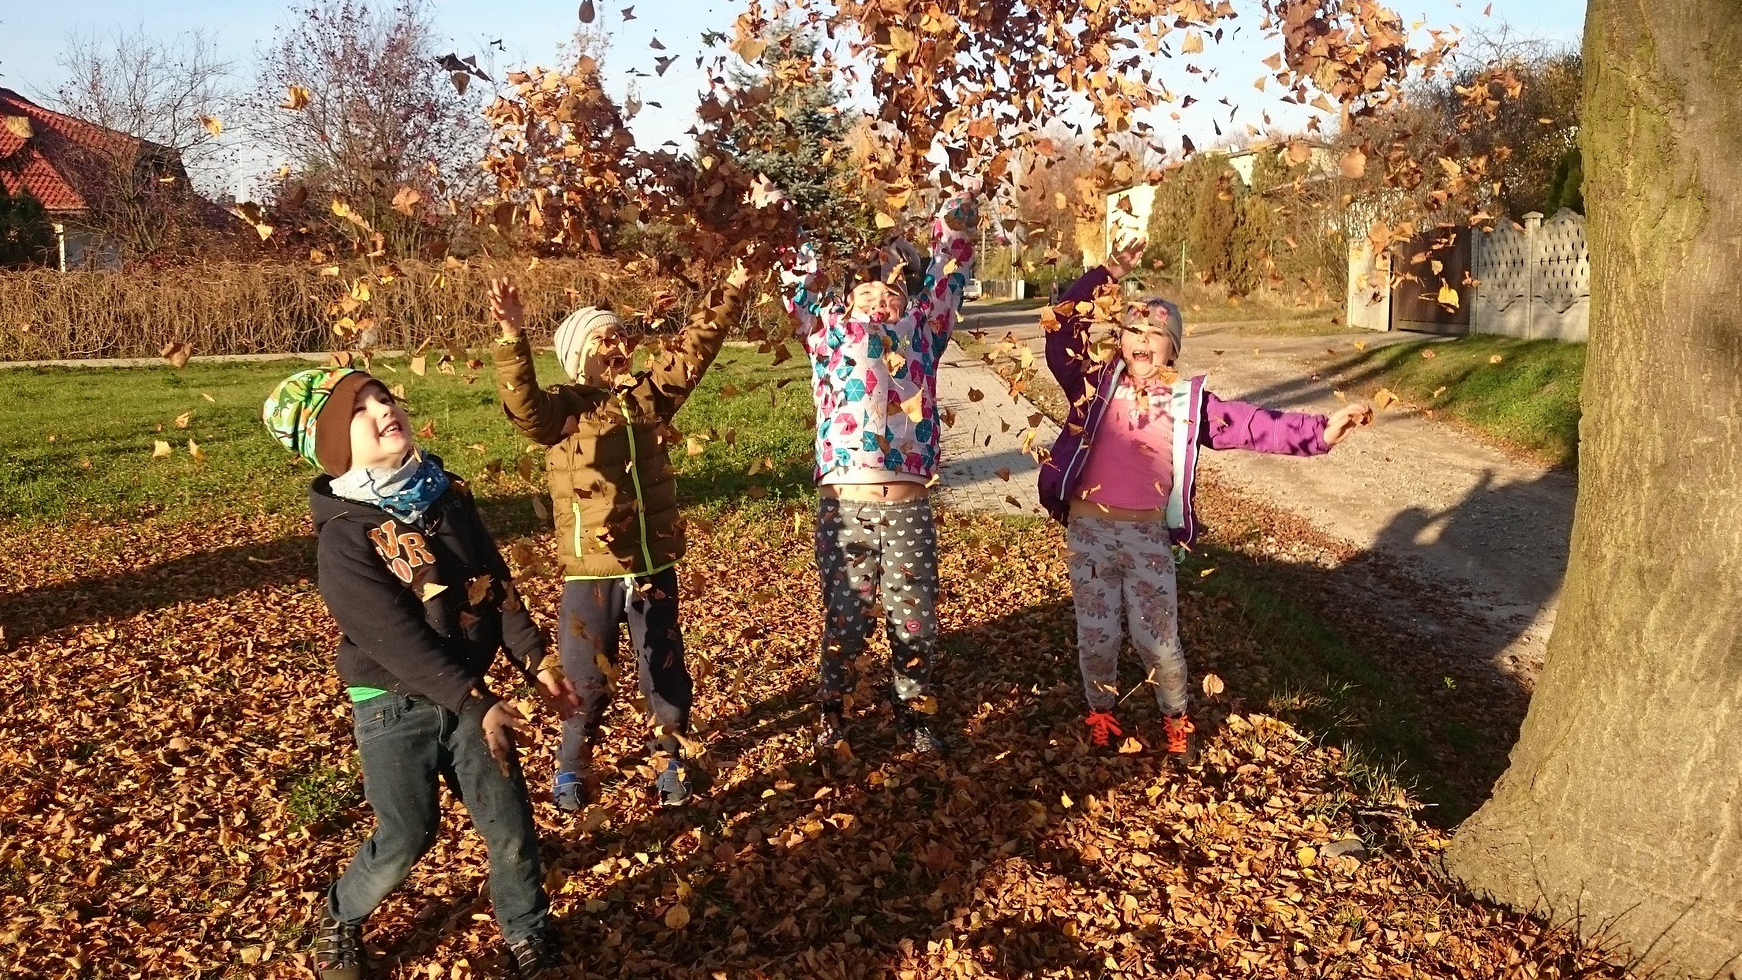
1345,420
1126,255
559,692
505,307
500,724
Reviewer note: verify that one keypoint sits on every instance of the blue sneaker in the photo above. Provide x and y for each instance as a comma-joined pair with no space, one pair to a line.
675,784
570,792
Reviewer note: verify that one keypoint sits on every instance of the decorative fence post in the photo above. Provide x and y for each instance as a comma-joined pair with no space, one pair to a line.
1532,256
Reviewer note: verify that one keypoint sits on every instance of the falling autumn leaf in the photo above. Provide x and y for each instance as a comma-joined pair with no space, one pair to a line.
213,125
183,420
160,449
1384,398
176,353
18,126
587,12
1213,685
195,451
297,100
478,590
1353,164
1495,358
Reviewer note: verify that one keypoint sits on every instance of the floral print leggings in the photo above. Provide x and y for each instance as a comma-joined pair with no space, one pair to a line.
1122,573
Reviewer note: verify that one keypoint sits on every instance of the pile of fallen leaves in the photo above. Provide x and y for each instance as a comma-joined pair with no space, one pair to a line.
181,783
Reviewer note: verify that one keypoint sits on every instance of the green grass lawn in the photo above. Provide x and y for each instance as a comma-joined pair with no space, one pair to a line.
1528,399
79,441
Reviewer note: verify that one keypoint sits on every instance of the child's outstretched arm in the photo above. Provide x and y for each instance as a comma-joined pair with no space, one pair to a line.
1242,425
1067,344
541,415
676,372
952,258
803,295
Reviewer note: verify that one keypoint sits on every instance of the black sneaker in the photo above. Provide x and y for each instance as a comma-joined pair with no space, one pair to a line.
833,730
1182,738
339,950
537,957
916,731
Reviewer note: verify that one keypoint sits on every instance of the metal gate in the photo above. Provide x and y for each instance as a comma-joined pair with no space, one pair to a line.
1428,271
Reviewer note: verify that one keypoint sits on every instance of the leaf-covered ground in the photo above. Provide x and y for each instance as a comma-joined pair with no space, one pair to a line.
181,779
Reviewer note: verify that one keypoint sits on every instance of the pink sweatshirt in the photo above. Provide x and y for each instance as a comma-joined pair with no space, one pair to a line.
1130,464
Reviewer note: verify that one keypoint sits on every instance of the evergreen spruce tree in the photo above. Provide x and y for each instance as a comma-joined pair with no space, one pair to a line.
790,146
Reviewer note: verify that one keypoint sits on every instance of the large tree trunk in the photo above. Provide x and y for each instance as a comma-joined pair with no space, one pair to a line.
1623,803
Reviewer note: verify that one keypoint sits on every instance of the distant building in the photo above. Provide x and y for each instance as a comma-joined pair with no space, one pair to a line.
1129,208
85,174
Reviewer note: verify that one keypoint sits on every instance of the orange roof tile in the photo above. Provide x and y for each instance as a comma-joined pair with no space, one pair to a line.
45,163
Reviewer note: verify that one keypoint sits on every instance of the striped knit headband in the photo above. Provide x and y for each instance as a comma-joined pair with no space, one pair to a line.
574,332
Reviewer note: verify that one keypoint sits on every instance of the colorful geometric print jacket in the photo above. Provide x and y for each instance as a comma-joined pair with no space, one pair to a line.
612,485
875,384
1209,421
422,610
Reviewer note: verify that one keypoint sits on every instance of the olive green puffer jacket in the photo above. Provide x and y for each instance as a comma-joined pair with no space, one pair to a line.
612,486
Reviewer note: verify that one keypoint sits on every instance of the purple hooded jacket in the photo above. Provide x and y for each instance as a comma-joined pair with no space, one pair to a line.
1219,424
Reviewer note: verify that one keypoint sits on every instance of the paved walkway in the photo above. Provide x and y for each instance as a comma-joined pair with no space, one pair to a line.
984,466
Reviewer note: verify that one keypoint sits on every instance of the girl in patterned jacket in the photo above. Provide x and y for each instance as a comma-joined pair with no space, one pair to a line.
874,361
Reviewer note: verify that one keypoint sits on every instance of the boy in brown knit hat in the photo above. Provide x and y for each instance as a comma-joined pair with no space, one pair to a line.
424,601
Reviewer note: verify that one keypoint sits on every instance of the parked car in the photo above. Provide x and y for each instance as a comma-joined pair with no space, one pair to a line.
971,290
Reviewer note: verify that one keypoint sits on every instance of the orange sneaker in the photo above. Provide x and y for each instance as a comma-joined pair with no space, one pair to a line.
1182,738
1103,728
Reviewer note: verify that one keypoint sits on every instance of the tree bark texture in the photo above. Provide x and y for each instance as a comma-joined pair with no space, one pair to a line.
1623,802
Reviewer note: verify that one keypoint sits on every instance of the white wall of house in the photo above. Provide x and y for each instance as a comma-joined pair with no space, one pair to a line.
84,249
1123,221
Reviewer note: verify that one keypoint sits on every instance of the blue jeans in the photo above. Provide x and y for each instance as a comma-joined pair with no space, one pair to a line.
408,746
591,611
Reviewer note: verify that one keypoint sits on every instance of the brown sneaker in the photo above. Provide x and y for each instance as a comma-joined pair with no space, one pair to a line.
339,950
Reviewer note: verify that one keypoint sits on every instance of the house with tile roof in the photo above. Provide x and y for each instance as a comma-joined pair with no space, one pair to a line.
98,185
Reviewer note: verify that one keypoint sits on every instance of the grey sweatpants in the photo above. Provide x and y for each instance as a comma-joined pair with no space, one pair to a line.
1122,576
870,552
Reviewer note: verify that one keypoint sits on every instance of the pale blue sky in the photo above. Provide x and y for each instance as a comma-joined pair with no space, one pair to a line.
33,33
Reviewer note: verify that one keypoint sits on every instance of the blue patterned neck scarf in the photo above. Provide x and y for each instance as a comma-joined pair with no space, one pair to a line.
406,491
